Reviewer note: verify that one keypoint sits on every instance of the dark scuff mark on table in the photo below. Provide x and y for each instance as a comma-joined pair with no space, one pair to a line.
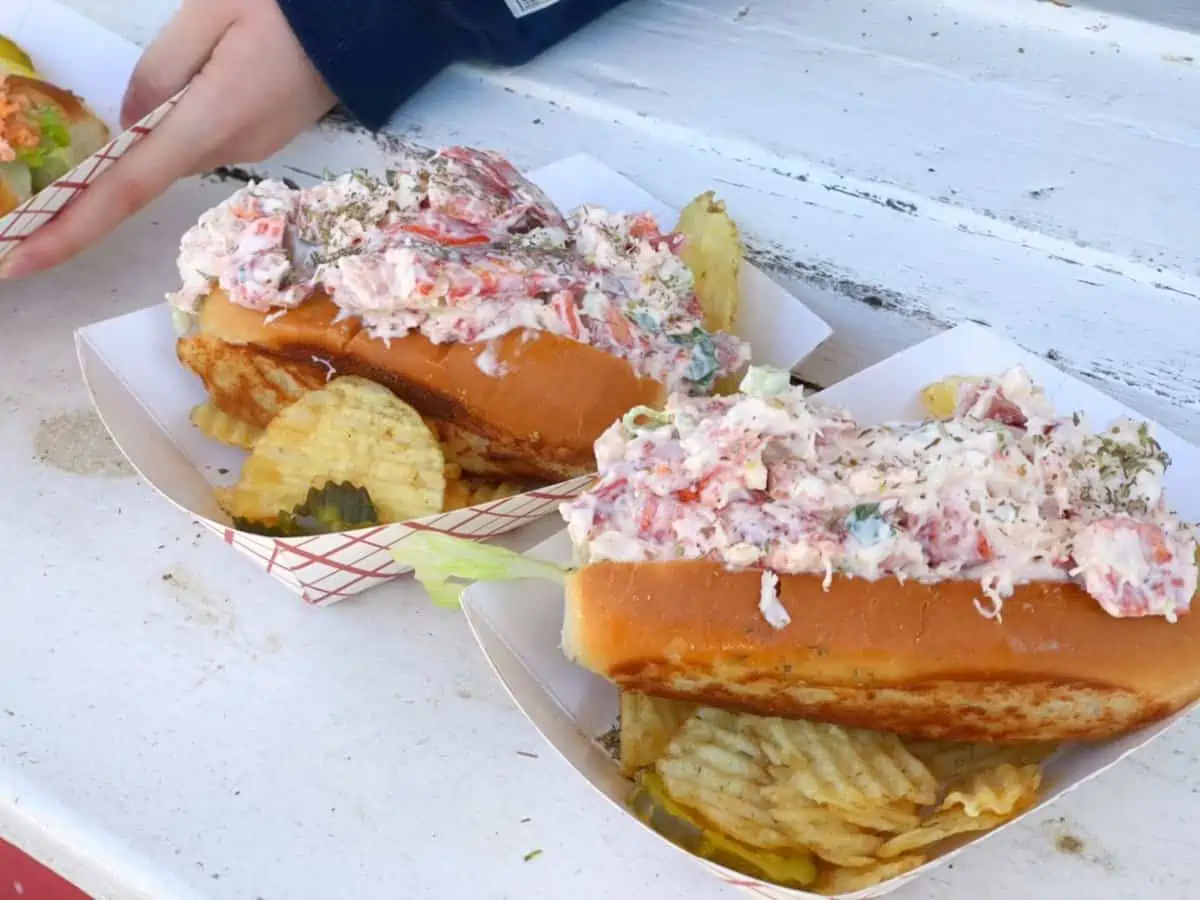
901,206
603,81
1174,387
244,175
1067,840
1174,290
795,176
339,120
307,174
1069,844
772,259
1105,374
1184,393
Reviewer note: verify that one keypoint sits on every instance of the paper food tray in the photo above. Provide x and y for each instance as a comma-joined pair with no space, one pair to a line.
519,624
144,397
75,53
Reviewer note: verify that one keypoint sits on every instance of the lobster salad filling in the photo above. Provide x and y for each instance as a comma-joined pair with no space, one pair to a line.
458,246
1002,491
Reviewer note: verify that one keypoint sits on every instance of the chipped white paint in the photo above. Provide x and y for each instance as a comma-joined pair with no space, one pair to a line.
905,163
1020,163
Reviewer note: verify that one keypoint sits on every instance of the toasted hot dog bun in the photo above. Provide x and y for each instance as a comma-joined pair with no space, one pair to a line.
915,659
537,418
88,131
88,134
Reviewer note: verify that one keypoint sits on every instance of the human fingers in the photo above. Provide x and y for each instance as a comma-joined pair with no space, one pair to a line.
257,91
175,56
276,91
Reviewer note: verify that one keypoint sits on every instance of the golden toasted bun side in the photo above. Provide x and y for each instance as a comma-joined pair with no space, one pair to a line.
915,659
69,105
538,419
245,383
252,387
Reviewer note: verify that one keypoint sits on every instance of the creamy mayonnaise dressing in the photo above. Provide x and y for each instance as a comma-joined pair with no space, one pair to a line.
459,247
1004,493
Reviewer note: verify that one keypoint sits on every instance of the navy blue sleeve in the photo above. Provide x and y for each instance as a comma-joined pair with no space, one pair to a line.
375,54
491,33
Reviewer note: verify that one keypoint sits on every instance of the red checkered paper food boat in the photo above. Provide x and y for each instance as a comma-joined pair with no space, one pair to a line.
330,567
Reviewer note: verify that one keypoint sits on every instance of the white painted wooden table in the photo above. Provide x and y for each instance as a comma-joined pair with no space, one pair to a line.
173,725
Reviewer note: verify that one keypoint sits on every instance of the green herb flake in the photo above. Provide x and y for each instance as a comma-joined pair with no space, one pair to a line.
864,511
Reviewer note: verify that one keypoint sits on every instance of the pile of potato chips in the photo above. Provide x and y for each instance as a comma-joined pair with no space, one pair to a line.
811,805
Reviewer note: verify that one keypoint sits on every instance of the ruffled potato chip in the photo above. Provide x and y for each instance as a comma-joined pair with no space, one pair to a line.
1003,790
219,426
351,432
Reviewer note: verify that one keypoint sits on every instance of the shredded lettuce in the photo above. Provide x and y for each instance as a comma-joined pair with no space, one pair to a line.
56,137
765,382
183,321
441,563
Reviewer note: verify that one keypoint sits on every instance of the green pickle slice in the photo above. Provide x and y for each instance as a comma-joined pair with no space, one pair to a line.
326,510
655,808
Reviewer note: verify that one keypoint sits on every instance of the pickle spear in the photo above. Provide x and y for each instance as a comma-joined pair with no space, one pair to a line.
11,51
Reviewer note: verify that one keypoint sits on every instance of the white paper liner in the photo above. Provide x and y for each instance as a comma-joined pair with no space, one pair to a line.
519,625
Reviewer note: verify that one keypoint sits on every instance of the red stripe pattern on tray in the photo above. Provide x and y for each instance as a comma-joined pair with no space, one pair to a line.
327,568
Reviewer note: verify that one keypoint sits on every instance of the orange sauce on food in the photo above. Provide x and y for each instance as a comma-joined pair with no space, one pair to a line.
17,132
